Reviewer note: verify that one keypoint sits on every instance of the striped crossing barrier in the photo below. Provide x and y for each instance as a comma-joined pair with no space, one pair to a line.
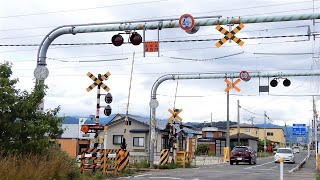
164,156
101,163
123,160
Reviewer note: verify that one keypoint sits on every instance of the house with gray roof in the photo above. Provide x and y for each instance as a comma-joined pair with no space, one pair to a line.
137,135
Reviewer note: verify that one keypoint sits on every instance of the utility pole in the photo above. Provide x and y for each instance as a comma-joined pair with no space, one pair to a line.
265,134
228,128
315,117
211,120
238,126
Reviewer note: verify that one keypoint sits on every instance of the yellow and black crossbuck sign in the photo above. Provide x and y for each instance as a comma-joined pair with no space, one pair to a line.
174,115
97,81
230,35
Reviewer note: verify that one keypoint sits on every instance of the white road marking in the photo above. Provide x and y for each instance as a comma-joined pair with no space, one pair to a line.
259,165
163,178
141,175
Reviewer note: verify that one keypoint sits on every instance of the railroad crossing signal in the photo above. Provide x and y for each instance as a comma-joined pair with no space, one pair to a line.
175,114
98,81
232,85
230,35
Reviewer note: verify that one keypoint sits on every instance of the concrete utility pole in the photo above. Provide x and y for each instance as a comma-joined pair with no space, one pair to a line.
265,134
238,127
315,128
228,128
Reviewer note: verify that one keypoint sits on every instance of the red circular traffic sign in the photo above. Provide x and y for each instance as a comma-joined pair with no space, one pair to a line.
244,75
186,22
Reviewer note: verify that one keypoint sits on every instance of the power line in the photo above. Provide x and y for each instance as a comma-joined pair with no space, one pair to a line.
172,41
235,9
82,9
171,50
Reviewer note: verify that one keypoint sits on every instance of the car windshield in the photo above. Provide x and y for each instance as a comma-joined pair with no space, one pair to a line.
287,151
240,149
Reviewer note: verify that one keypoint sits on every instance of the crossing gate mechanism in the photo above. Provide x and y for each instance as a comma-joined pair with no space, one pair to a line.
230,35
164,156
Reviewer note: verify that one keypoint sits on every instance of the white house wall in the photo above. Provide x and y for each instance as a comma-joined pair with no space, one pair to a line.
70,131
118,129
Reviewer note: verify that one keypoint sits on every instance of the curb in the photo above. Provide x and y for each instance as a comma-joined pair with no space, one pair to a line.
299,165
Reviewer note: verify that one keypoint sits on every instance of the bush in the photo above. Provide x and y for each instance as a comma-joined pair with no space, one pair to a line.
168,166
202,149
127,172
141,164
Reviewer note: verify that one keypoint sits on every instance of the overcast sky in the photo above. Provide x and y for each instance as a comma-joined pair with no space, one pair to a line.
27,22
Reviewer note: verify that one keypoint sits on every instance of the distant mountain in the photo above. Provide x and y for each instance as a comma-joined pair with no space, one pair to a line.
221,124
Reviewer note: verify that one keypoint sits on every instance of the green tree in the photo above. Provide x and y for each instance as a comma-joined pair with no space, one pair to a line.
22,127
261,144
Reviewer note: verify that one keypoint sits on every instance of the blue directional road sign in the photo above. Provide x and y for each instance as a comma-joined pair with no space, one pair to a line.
299,129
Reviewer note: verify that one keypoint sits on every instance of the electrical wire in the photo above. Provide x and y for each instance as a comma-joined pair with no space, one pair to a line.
82,9
172,41
162,17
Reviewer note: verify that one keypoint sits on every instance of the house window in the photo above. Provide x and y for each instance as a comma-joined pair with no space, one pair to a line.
209,134
117,139
246,130
128,123
220,134
138,141
269,133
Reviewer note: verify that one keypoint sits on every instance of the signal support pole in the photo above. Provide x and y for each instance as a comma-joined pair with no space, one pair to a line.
265,134
228,128
96,142
238,127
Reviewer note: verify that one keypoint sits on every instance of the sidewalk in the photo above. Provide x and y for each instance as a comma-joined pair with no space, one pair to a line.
307,172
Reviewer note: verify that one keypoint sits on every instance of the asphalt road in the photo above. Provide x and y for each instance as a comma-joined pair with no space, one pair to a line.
265,169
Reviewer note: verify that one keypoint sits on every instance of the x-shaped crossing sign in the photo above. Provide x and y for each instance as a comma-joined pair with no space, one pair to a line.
175,114
230,35
232,85
97,81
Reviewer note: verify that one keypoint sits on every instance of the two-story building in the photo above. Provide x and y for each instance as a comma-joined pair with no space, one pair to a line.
137,135
275,135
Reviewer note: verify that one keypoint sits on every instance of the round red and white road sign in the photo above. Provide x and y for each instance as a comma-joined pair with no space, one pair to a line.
186,22
244,75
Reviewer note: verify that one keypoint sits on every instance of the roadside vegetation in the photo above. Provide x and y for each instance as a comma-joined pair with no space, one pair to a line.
28,149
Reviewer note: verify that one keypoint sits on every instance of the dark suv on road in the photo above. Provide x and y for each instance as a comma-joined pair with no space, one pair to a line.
243,154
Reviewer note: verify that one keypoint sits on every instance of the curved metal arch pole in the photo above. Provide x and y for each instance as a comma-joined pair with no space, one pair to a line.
153,25
153,122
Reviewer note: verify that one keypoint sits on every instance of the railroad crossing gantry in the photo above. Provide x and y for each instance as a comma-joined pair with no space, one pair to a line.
166,77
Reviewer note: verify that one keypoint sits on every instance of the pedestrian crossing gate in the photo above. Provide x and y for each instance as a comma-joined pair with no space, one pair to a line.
109,160
229,35
181,158
98,81
164,156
